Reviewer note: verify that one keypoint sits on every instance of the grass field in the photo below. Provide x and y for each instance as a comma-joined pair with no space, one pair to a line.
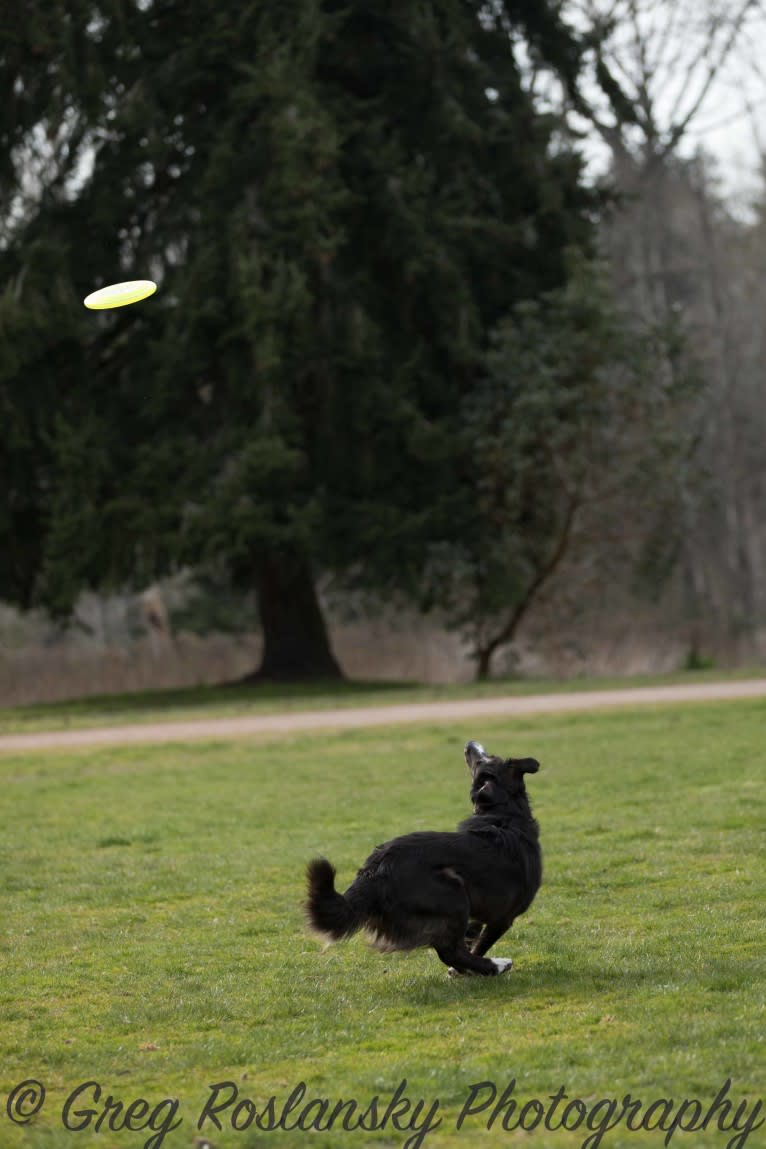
152,936
265,698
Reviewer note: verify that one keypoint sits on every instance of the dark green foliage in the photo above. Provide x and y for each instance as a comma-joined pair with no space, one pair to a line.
580,416
340,202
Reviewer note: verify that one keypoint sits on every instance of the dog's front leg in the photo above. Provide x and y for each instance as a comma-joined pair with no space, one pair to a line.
461,962
473,933
490,933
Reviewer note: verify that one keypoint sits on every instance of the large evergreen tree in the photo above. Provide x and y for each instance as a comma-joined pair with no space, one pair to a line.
341,202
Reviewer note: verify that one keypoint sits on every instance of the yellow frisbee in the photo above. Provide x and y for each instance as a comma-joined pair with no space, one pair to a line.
120,294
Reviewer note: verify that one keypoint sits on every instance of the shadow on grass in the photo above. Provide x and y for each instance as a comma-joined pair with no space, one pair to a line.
196,697
539,982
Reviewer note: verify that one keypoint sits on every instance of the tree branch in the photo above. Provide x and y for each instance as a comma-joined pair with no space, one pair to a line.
506,633
714,68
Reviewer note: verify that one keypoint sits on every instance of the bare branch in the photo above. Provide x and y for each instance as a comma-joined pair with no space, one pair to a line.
678,130
668,34
543,574
703,54
733,118
755,128
645,75
654,46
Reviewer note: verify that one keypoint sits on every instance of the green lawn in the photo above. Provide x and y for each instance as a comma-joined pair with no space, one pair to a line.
225,701
152,936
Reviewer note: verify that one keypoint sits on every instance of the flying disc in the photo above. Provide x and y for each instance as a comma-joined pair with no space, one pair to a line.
120,294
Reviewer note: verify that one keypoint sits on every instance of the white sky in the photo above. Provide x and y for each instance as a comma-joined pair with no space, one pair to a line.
731,126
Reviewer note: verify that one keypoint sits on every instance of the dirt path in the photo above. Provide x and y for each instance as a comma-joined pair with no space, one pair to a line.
248,726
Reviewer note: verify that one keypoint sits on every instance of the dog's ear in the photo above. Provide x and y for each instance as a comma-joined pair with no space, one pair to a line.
524,765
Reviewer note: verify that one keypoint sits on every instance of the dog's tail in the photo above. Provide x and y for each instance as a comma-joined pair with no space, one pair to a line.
329,913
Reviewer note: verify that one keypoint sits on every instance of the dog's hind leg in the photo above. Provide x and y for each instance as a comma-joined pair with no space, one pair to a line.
449,923
453,951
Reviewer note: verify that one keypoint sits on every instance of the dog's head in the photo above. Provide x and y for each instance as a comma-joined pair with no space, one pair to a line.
496,781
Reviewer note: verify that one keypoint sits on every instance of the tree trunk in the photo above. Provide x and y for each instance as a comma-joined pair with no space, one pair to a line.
483,661
296,644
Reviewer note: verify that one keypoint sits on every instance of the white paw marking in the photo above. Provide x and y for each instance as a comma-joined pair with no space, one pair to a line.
502,965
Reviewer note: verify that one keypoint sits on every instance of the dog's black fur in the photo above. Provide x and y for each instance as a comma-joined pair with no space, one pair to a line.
457,892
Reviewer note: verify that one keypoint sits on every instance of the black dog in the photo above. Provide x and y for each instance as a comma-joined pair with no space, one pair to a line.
458,892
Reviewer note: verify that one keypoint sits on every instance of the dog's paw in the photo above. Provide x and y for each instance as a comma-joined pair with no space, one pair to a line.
502,965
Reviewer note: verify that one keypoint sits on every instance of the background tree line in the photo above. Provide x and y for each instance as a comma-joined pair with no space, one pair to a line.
400,337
